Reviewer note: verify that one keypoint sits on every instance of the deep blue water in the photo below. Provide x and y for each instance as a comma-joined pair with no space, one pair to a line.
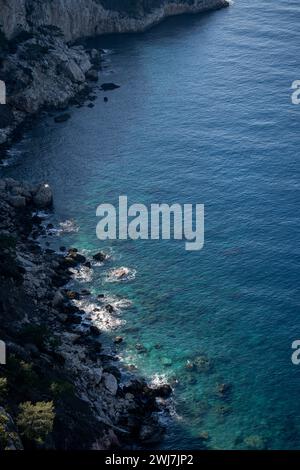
203,115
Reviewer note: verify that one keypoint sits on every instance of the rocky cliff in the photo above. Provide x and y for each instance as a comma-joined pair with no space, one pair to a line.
39,64
60,389
79,18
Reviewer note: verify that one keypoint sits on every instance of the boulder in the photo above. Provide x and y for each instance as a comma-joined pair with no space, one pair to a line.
100,257
92,75
118,340
58,299
97,373
94,330
95,57
76,257
110,383
109,308
72,295
71,70
163,391
43,196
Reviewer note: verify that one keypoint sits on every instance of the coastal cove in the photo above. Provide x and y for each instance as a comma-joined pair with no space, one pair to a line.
203,115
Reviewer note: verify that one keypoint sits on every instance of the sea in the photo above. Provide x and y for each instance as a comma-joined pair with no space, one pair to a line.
203,115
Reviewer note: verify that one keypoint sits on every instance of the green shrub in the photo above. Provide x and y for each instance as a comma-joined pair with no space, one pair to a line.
3,430
36,420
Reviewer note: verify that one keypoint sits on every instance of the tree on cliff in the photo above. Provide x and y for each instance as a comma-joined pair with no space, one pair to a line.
36,420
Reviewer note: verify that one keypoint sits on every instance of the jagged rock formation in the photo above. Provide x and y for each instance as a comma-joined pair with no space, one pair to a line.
40,66
78,18
49,359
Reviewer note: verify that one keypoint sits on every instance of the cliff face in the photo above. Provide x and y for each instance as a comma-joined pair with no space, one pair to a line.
79,18
49,359
37,62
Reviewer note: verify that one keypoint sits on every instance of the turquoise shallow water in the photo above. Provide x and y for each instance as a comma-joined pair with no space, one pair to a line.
203,115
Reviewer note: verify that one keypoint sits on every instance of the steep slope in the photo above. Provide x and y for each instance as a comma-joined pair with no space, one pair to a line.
78,18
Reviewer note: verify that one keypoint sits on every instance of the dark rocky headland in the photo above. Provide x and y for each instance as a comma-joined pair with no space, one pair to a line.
58,389
39,62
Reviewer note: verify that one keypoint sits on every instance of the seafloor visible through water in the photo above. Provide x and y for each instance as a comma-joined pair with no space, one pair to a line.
203,115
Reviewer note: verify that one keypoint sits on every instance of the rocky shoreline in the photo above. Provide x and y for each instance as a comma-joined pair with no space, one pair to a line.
83,396
40,64
82,18
96,404
42,72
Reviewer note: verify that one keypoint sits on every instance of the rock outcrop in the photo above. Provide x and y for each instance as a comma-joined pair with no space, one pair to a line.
41,71
49,359
40,66
79,18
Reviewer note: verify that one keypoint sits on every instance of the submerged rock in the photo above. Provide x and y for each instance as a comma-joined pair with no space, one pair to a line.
62,118
223,389
151,433
202,363
255,442
204,436
167,362
118,339
109,86
140,348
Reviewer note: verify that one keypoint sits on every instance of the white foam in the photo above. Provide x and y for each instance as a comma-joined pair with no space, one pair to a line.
158,379
99,316
82,274
122,274
68,226
116,302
